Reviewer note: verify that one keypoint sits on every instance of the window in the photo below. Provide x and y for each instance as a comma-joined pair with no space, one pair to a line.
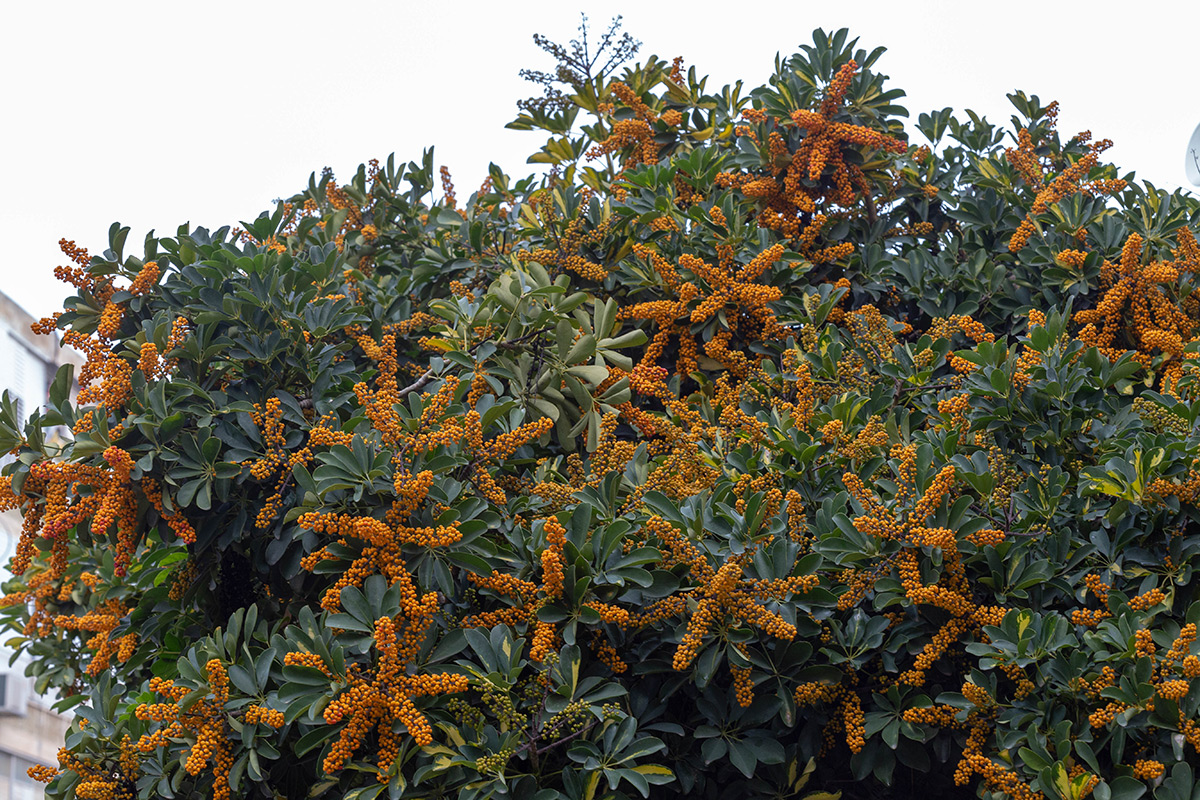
18,380
15,783
22,386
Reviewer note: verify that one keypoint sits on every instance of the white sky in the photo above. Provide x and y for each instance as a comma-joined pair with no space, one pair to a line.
159,113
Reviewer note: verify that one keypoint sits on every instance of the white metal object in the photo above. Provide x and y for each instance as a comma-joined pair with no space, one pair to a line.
1192,160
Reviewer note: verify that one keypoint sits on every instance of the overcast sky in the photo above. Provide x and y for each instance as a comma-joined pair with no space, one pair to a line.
158,113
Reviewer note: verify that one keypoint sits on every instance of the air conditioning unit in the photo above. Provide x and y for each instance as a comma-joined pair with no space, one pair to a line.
14,694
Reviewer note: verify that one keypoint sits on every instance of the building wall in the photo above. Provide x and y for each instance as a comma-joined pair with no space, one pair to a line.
30,731
27,361
24,742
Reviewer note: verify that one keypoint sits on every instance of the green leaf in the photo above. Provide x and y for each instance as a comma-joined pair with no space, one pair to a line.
1124,787
742,756
243,680
583,349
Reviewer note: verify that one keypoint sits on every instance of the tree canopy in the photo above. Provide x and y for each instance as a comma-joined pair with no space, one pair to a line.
755,448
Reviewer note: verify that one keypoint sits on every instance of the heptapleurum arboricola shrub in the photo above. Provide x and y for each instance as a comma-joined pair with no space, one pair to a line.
764,446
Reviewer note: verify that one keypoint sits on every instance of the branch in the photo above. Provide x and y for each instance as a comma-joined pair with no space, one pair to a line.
423,381
566,738
511,343
418,384
924,386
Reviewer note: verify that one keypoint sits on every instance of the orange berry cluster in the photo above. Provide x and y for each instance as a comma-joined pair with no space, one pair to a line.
1072,180
1147,599
817,172
146,280
101,621
637,133
105,362
574,239
726,594
529,598
866,443
55,498
302,659
339,200
99,778
1141,309
203,721
552,564
256,715
388,697
731,292
268,419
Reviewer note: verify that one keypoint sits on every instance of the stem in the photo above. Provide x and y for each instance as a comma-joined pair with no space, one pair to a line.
914,388
567,738
511,343
417,385
424,380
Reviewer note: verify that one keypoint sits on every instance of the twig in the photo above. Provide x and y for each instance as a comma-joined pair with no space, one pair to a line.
924,386
423,381
566,738
418,384
511,343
